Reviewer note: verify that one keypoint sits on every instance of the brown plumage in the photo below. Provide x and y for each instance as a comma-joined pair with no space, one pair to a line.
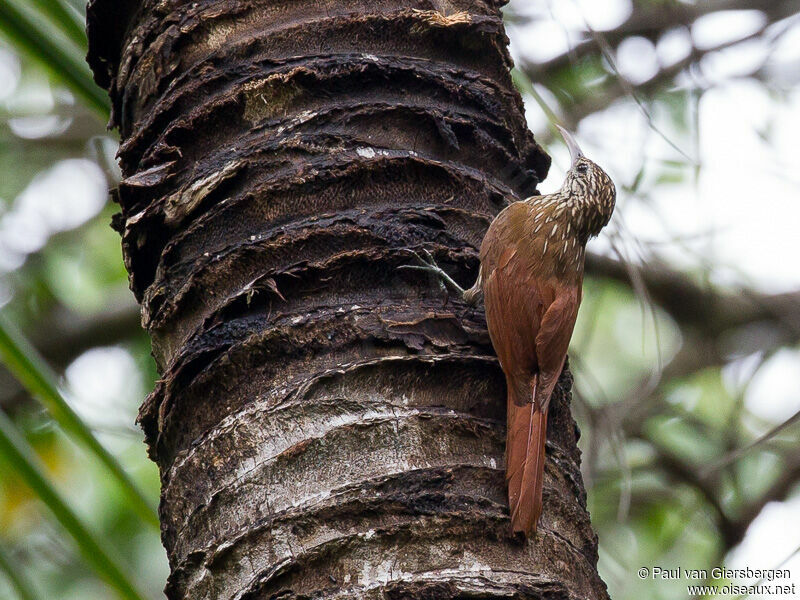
531,279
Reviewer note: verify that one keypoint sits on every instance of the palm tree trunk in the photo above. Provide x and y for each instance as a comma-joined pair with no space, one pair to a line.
327,426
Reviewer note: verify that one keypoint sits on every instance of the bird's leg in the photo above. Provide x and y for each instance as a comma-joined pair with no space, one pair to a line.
428,264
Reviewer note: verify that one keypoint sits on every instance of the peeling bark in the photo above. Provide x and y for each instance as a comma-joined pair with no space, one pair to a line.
326,425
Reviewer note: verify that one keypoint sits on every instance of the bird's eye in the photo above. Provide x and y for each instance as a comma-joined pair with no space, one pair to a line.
582,168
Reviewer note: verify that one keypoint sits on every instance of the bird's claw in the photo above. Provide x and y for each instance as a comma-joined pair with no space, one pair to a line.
425,266
430,266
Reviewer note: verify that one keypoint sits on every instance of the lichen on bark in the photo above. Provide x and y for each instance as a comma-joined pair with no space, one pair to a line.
326,425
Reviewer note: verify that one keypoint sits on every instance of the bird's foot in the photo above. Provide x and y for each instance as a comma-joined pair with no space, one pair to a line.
428,264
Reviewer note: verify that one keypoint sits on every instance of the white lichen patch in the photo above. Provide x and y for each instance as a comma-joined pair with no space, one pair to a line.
470,563
380,573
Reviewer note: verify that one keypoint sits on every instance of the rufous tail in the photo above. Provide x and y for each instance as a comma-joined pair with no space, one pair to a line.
527,431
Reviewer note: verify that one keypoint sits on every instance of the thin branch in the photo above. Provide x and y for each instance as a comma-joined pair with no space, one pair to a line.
707,310
619,87
652,21
739,452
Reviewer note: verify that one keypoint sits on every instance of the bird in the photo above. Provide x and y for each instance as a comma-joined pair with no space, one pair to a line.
531,281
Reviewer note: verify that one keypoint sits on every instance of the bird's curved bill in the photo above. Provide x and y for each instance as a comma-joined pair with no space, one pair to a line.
575,151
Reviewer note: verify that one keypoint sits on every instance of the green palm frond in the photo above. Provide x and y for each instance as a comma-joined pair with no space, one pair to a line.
61,14
35,375
20,456
47,32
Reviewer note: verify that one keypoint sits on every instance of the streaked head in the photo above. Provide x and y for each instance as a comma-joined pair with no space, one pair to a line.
589,189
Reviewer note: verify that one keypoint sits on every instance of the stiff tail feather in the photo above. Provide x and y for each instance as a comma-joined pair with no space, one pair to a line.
525,454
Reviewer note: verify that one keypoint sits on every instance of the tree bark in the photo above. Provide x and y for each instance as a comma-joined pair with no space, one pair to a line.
327,426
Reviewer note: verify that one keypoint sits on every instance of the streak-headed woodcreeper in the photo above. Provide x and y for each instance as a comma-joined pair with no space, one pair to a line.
531,278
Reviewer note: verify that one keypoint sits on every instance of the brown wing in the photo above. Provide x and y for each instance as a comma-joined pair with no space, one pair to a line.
515,303
552,339
515,297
